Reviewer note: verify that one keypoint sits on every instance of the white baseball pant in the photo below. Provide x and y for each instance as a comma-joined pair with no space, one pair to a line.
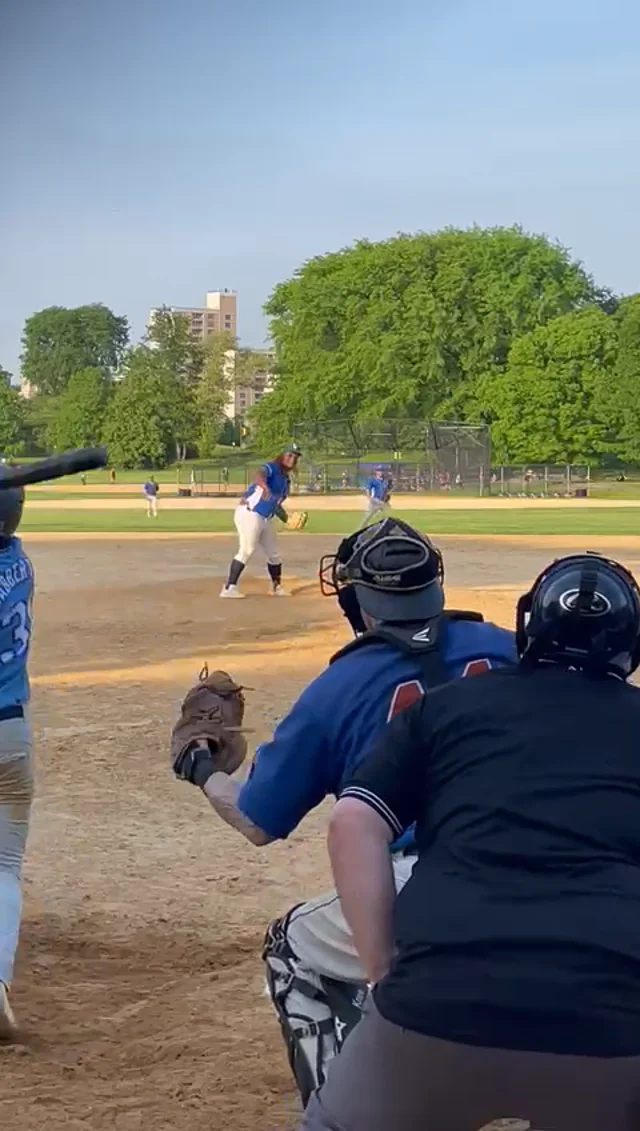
152,506
314,941
376,509
16,794
253,531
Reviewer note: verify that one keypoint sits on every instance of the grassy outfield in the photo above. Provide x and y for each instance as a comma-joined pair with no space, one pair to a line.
570,521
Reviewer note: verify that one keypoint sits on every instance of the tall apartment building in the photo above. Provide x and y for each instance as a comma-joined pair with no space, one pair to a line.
219,314
244,397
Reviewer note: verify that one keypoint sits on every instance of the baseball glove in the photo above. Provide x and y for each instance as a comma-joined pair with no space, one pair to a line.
297,520
208,737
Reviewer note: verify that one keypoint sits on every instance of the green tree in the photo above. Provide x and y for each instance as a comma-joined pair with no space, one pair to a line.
12,419
182,352
212,391
397,328
552,403
58,342
5,376
79,412
625,390
151,416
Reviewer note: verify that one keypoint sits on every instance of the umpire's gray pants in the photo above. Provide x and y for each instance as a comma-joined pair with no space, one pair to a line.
16,793
390,1079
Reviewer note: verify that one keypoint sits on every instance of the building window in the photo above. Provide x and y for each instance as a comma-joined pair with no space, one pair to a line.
227,321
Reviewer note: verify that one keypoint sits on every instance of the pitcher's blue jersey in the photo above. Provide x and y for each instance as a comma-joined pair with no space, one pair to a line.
326,734
16,596
278,484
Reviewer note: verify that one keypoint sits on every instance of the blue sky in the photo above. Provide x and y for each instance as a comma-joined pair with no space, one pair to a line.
153,150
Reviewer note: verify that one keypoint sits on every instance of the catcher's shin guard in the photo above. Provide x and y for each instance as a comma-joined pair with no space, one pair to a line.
303,1010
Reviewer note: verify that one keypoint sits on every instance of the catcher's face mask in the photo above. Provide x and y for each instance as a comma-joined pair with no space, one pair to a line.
334,580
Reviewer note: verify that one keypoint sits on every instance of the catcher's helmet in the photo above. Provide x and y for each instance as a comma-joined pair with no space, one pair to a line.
11,504
582,612
396,571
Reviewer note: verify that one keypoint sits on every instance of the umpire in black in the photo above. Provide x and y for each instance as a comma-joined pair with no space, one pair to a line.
506,978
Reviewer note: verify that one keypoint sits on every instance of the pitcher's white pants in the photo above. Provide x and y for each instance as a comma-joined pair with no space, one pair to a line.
16,794
253,531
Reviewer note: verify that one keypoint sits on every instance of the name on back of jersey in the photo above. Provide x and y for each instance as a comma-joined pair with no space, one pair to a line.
13,575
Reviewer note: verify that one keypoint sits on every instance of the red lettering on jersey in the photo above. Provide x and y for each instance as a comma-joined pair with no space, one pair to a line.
404,695
475,667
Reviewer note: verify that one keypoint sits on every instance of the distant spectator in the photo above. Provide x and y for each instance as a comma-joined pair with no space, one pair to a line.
112,475
344,480
83,479
458,480
150,492
225,477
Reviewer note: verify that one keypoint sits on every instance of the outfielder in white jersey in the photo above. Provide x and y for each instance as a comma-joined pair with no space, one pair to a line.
260,504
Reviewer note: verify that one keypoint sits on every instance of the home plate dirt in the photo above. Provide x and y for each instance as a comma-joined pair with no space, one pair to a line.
139,984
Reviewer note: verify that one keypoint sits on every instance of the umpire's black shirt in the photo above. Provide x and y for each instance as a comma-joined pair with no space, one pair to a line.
520,926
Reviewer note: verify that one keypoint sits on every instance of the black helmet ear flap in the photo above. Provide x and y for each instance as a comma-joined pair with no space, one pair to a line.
523,608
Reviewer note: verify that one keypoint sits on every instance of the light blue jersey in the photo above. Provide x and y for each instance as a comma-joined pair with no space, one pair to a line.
16,597
261,502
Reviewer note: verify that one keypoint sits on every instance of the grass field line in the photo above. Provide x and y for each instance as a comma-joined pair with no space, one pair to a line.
353,503
579,521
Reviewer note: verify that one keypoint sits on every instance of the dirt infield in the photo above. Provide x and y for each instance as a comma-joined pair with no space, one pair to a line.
139,983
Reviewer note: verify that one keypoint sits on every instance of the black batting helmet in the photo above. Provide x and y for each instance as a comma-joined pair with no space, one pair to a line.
11,504
582,612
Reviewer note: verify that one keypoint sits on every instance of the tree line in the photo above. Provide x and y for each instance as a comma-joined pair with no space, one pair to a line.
150,403
492,326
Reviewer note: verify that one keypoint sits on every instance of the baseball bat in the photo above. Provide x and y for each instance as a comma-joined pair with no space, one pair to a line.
53,467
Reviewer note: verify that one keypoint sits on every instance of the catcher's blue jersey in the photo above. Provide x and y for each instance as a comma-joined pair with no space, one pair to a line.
16,595
327,732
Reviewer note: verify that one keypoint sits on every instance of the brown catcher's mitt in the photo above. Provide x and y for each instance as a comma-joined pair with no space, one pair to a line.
297,520
211,719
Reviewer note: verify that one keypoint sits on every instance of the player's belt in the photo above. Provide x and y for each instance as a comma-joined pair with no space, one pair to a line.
14,712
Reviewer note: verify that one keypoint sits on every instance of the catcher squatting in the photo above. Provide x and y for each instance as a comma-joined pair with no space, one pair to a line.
261,503
388,580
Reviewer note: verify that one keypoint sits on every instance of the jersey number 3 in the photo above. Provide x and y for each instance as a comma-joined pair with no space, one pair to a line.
406,693
19,621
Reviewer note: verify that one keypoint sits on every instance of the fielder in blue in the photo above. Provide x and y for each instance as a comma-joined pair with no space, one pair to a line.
378,491
16,774
389,582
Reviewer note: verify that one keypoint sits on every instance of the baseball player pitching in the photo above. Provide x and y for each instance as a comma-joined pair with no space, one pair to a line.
16,774
261,503
378,490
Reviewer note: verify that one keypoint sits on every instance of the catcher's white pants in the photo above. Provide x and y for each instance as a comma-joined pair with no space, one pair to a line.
16,794
319,944
253,531
320,936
